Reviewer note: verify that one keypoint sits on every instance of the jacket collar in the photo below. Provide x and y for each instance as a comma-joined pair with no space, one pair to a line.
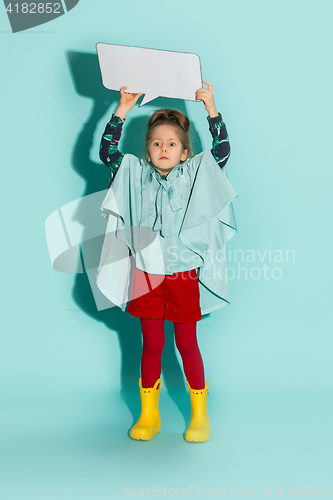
172,175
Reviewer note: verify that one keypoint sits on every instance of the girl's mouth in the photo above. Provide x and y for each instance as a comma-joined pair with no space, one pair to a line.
164,158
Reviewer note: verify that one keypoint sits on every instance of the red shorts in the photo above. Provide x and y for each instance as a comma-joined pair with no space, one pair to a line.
173,297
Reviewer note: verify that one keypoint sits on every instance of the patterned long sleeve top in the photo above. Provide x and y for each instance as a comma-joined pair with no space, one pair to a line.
112,157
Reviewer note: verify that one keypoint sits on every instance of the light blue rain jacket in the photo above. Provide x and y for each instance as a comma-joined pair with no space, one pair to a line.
166,226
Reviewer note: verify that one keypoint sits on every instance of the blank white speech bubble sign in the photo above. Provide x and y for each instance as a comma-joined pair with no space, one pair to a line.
151,72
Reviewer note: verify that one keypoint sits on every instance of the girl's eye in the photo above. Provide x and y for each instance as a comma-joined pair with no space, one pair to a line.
156,143
172,143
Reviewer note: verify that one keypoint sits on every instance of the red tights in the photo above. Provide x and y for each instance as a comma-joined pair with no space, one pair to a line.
187,345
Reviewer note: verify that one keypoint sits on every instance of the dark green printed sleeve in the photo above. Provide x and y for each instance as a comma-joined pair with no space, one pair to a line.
221,147
108,149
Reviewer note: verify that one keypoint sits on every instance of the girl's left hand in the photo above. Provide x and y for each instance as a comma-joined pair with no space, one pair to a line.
207,96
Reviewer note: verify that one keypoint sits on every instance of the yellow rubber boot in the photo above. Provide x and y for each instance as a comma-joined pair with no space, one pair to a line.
149,422
199,428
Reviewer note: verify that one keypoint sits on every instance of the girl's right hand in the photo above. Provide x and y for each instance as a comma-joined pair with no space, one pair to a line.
126,103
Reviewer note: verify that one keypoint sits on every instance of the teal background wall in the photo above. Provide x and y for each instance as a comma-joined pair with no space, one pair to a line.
69,373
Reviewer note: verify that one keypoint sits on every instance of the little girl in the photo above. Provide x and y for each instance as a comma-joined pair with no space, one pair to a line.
172,213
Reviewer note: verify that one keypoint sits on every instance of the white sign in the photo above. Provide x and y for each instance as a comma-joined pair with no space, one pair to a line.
151,72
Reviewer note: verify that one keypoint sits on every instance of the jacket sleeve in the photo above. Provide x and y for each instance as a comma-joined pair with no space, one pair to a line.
108,149
221,147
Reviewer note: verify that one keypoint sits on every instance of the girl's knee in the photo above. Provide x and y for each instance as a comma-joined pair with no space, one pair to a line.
153,345
186,346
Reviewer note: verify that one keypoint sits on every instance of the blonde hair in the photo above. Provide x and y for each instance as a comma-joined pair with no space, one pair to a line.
176,119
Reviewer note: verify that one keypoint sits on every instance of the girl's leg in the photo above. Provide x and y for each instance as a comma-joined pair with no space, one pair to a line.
153,344
187,345
149,422
186,341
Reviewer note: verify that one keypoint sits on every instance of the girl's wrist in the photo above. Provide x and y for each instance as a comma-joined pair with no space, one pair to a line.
213,113
121,113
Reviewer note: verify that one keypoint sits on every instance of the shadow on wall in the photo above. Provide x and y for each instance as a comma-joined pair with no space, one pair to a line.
85,73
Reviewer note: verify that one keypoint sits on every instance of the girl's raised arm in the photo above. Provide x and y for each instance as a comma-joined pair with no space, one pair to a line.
108,150
207,96
126,103
221,146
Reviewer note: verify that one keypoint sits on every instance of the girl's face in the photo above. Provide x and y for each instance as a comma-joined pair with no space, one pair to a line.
165,149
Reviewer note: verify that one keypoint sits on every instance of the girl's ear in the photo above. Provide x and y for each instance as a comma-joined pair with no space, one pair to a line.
184,155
